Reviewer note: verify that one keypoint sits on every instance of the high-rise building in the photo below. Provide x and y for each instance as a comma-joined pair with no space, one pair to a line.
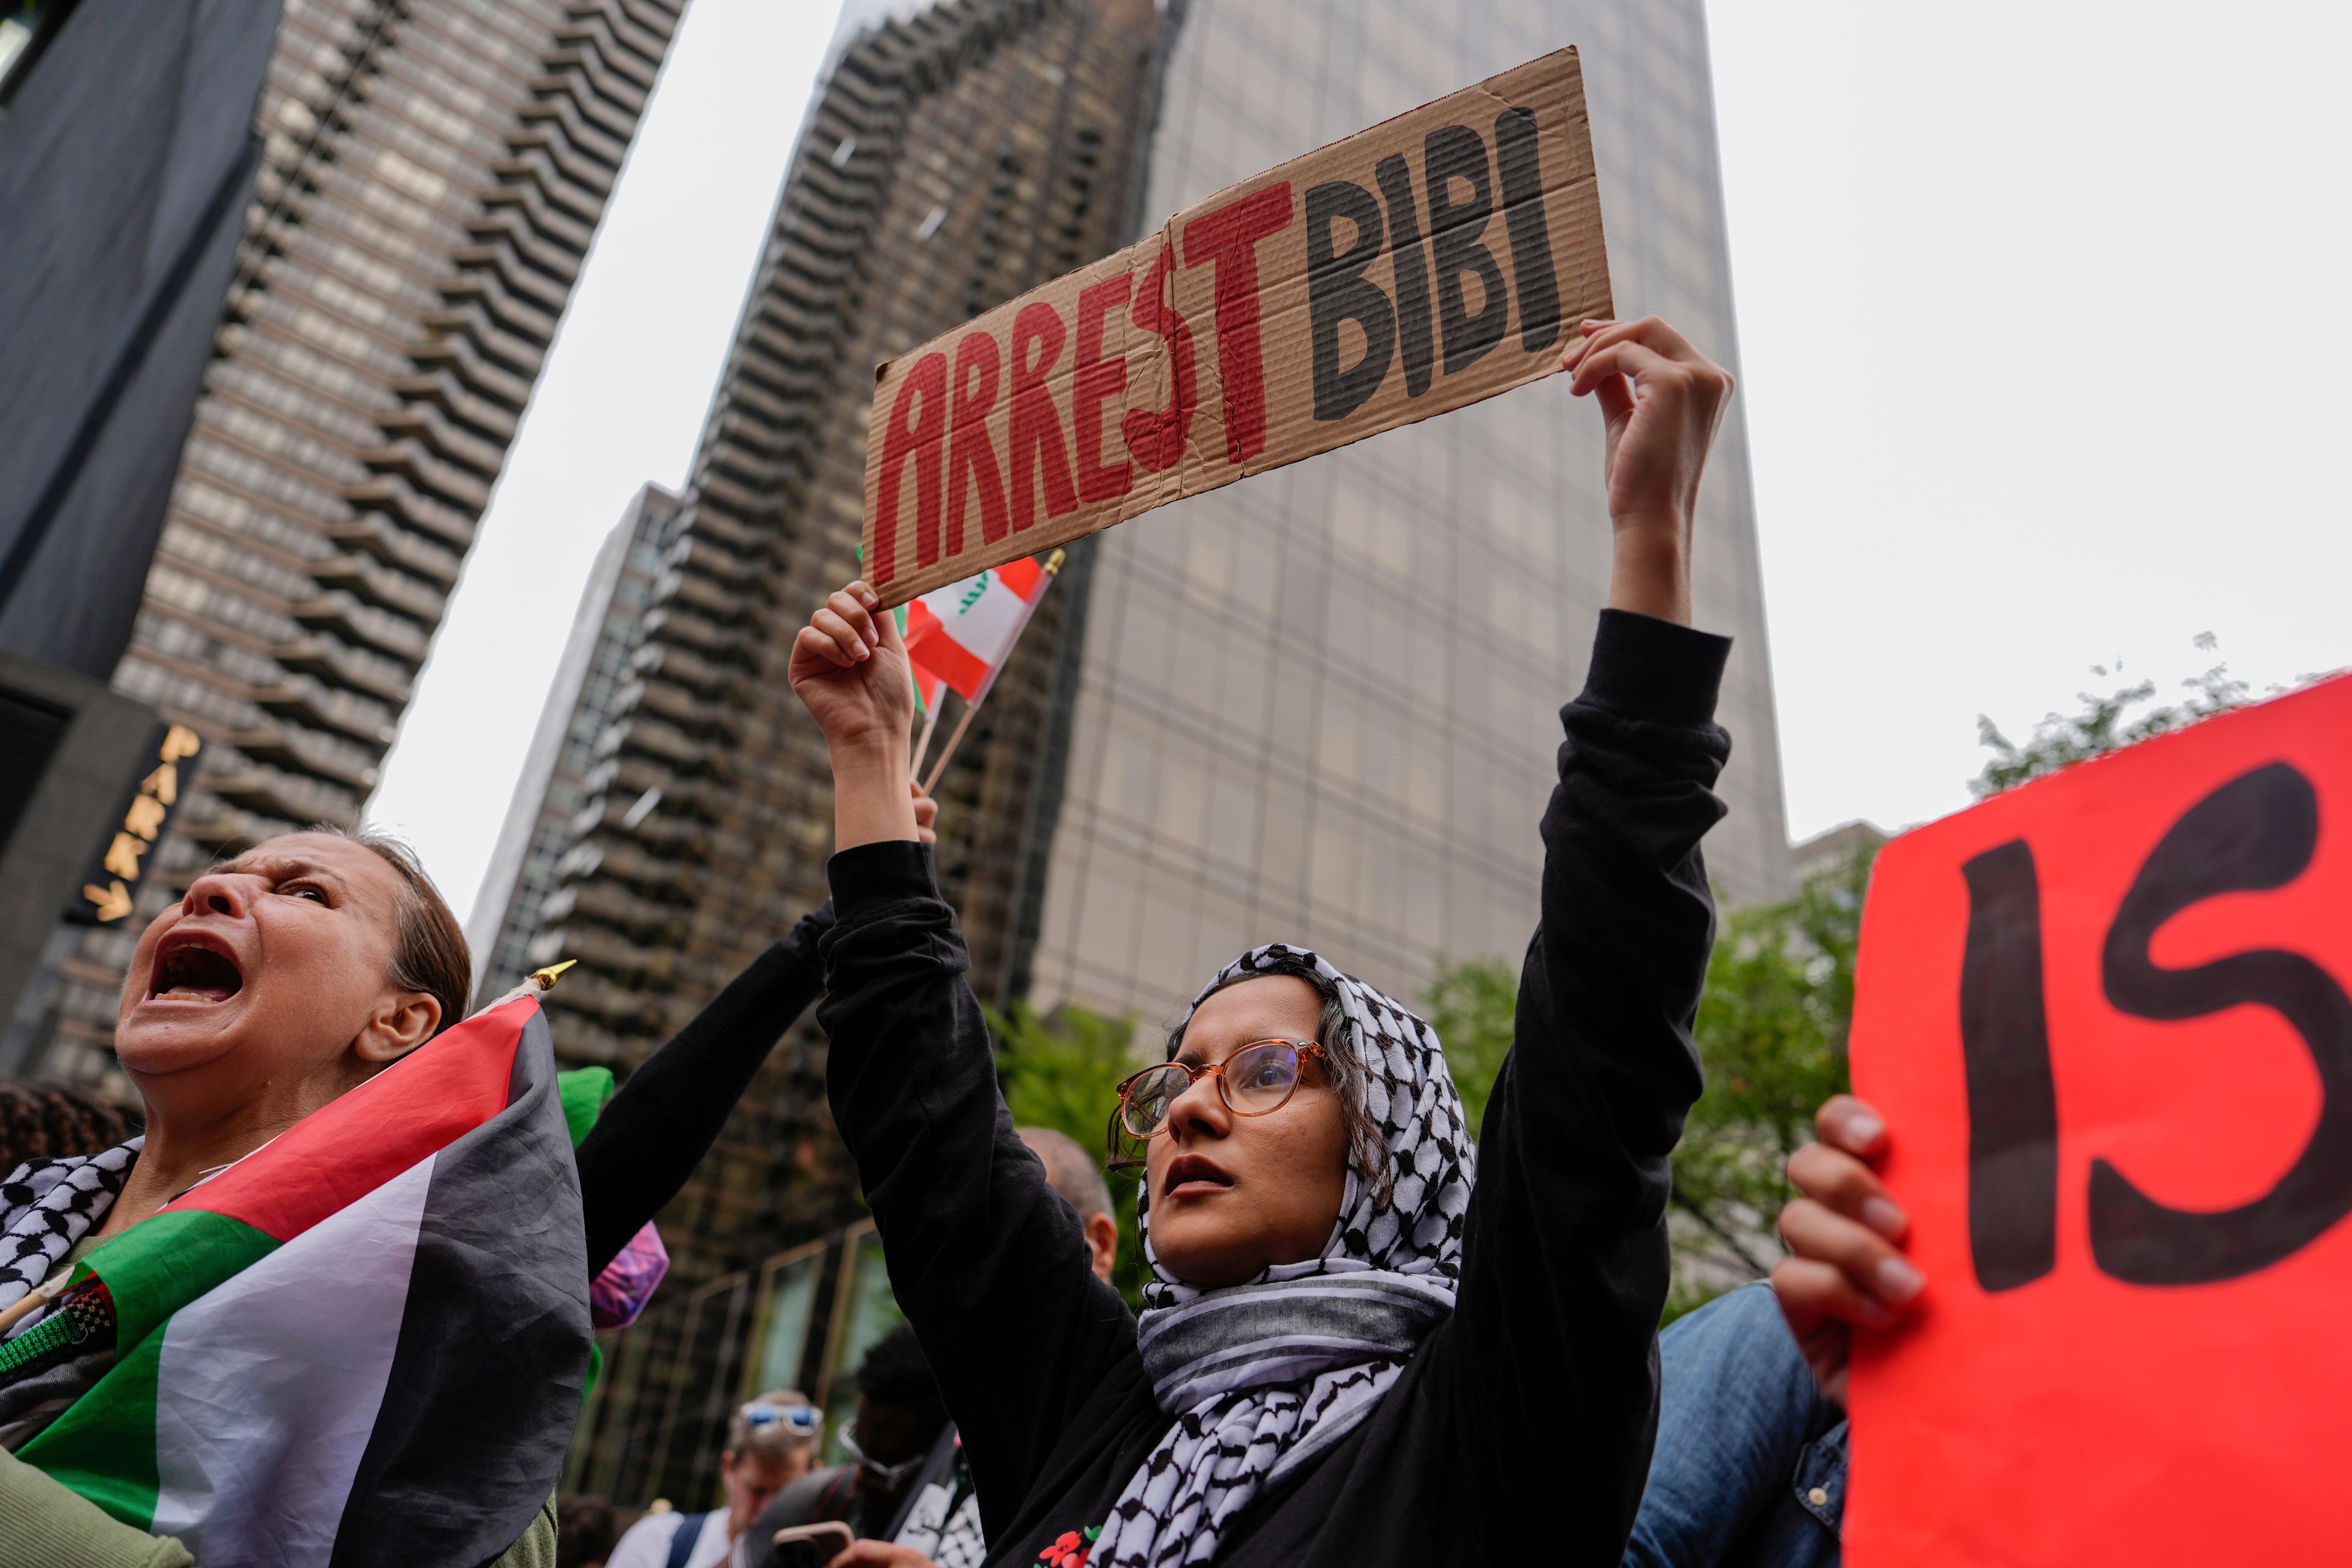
512,905
950,160
433,173
1320,705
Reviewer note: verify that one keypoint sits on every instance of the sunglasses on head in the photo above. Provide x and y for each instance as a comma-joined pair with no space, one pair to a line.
804,1419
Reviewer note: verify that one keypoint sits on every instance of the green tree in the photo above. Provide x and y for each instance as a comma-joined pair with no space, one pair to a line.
1772,1035
1471,1005
2062,739
1063,1072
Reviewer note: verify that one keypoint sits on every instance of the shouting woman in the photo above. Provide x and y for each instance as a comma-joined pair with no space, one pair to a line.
1363,1341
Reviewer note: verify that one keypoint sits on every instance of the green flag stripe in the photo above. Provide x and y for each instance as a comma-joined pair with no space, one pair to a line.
583,1091
103,1446
157,1266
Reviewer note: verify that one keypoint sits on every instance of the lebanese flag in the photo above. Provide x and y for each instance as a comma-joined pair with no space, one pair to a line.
959,635
366,1342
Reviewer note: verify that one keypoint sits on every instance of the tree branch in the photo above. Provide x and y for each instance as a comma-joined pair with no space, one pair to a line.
1722,1235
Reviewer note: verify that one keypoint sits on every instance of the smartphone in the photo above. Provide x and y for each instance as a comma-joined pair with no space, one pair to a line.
812,1545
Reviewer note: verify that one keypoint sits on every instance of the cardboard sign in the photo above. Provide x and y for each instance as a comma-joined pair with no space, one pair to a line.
1435,259
2107,1018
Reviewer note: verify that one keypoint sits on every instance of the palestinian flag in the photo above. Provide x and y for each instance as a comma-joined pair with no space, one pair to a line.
362,1344
959,635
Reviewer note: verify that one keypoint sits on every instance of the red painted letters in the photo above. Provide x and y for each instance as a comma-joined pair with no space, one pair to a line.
1156,438
1036,427
971,457
1228,236
925,390
1095,382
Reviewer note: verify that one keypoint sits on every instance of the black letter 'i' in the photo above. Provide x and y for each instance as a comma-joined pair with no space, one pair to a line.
1411,259
2012,1103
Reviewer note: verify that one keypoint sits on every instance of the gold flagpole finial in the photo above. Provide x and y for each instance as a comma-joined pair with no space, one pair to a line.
1054,562
545,979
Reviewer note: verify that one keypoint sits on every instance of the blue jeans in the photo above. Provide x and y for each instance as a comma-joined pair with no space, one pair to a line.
1750,1470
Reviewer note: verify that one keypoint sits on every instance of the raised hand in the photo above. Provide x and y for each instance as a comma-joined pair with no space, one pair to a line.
849,669
1660,403
1845,1267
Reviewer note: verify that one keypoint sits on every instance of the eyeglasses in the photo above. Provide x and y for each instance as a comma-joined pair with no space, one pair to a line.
888,1476
804,1419
1256,1080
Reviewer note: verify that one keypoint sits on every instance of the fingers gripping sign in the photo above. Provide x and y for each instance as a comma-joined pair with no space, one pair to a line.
1845,1267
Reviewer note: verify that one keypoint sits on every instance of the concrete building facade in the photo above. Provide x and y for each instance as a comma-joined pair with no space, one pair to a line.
432,176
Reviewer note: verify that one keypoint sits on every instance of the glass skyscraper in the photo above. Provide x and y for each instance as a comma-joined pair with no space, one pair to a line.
432,174
1320,705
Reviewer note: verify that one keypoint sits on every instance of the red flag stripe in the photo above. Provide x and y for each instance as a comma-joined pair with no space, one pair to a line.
344,1150
951,661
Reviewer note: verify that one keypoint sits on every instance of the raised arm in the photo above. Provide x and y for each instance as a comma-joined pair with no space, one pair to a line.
1550,1362
987,1260
663,1120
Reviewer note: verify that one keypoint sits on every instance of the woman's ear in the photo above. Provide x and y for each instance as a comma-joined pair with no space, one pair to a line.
403,1021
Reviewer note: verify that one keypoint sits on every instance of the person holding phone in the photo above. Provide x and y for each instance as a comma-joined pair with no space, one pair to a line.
1363,1341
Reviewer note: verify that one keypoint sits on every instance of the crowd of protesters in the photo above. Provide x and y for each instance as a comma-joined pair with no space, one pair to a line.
1371,1334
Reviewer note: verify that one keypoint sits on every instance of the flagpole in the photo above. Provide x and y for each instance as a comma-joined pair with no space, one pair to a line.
964,721
923,741
1053,568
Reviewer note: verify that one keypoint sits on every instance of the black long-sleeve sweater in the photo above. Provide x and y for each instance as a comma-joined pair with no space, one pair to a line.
1524,1424
658,1125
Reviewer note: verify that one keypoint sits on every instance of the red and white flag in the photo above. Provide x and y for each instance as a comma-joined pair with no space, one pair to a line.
960,636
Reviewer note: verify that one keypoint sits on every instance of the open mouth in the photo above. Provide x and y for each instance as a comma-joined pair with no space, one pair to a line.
1193,1177
192,969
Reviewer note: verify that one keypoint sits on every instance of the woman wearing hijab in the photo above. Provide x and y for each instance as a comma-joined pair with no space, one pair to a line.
1363,1341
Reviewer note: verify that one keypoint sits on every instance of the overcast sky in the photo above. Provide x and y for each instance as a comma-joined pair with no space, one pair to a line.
2043,319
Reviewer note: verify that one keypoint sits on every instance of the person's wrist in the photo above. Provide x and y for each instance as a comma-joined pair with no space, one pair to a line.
1649,565
874,751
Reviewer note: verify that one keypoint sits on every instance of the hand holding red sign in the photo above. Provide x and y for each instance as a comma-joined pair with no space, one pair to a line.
2104,1015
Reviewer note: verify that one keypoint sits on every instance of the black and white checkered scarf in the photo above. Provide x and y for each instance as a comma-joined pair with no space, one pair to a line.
1263,1377
48,1205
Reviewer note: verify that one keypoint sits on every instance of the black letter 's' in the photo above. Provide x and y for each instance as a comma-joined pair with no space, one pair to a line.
2256,832
2013,1105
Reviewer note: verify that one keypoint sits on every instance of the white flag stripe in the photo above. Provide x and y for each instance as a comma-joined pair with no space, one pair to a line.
269,1385
987,628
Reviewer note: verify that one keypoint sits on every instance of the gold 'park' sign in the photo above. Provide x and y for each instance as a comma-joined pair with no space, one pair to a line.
107,899
1434,261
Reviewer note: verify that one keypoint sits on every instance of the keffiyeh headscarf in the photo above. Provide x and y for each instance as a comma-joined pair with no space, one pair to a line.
1265,1376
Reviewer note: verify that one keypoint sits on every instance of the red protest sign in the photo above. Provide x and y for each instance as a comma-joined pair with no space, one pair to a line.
2106,1016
